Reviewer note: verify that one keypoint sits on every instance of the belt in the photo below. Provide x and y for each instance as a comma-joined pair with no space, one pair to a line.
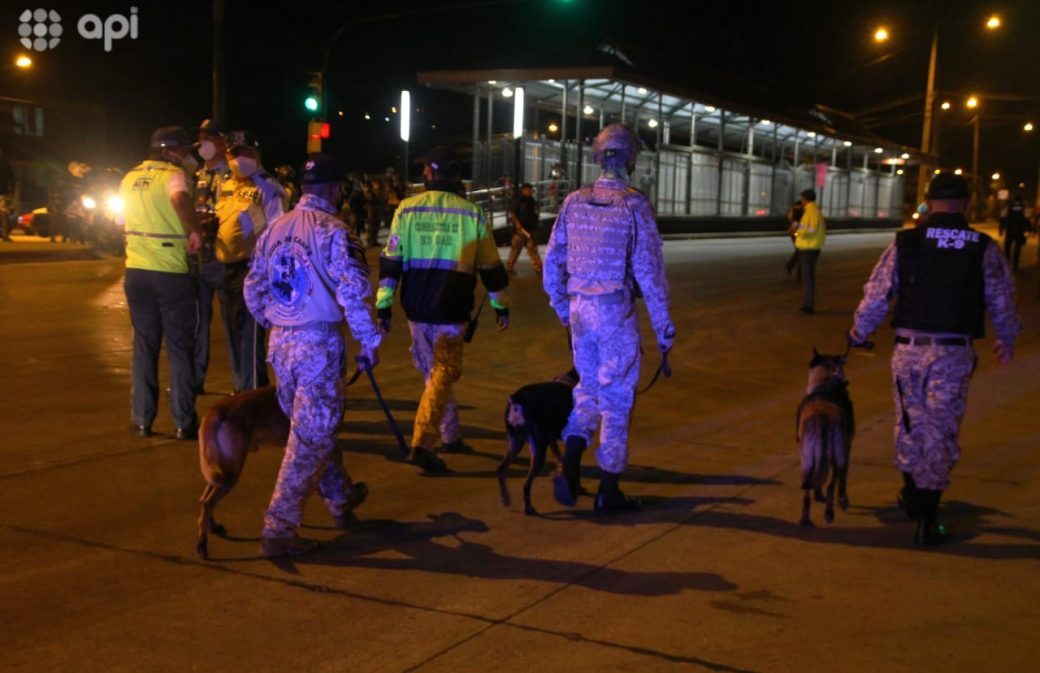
932,341
310,327
148,234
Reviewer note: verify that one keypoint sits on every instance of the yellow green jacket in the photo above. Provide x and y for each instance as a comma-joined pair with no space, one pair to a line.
439,242
812,229
155,237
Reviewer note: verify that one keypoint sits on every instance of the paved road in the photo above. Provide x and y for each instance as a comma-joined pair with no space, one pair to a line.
98,527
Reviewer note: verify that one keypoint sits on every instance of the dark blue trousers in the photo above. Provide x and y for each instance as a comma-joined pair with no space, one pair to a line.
248,339
162,305
210,282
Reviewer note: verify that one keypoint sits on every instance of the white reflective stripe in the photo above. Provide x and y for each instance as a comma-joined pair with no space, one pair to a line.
146,234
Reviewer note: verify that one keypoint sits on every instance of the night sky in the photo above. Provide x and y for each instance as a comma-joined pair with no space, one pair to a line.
784,56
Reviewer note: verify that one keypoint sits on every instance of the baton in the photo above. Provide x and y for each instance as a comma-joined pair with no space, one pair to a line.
474,321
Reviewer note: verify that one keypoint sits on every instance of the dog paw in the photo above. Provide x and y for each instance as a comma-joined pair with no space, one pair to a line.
806,521
530,511
202,549
218,529
843,502
828,515
506,500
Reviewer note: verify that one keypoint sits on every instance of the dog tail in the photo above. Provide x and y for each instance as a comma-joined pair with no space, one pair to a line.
817,437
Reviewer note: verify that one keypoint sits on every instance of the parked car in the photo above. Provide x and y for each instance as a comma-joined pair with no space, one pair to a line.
35,222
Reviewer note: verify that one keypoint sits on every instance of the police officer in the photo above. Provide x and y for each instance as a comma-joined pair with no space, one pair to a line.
604,249
809,237
438,243
1013,227
308,275
208,181
943,276
161,230
249,199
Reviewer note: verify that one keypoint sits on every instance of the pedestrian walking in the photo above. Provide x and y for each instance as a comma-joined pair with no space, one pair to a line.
161,231
525,226
439,242
210,274
308,276
249,199
943,276
794,216
1013,227
604,249
809,237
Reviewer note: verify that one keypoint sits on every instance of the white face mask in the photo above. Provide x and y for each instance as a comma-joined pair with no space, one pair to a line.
243,167
207,150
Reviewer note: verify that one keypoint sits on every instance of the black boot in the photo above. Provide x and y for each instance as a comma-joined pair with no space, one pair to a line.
907,497
610,499
929,531
567,480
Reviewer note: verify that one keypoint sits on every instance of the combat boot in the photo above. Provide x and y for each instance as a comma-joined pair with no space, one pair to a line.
427,460
929,531
274,547
611,499
567,480
907,497
355,496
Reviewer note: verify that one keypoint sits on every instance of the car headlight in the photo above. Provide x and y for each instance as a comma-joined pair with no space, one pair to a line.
115,203
88,202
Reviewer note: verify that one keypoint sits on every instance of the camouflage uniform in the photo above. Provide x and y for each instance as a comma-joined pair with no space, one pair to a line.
306,272
437,354
930,382
604,243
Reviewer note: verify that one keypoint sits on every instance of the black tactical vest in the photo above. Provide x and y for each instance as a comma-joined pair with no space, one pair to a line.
939,267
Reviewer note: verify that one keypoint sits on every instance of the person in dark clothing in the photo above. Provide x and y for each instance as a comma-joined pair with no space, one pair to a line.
1013,227
525,222
794,216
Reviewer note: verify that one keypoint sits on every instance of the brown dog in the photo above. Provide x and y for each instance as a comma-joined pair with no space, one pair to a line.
235,426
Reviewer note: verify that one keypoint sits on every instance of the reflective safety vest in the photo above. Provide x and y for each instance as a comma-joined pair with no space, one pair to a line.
155,237
812,229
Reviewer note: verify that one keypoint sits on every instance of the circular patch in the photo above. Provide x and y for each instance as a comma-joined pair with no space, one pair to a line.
290,278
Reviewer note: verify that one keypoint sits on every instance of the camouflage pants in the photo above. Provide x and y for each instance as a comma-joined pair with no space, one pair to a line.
437,354
930,388
606,354
307,364
522,243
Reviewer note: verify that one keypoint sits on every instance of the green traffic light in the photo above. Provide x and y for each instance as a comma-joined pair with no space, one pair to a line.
311,103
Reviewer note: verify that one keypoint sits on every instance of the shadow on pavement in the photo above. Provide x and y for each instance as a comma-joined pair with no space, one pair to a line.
415,546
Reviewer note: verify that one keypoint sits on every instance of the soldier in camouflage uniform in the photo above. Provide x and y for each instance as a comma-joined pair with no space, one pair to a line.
603,250
943,275
307,274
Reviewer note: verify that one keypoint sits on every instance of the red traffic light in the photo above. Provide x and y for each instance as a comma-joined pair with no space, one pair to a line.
318,130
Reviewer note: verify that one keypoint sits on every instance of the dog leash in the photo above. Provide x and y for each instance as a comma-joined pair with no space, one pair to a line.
366,365
663,368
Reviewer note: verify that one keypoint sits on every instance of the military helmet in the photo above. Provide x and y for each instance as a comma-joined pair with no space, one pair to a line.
616,140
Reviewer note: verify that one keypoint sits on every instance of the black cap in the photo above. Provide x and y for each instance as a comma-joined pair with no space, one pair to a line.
809,194
170,136
948,186
321,169
211,127
442,159
242,138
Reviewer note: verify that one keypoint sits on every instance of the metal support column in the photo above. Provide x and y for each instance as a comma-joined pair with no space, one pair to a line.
490,128
719,150
657,152
689,174
563,131
579,113
476,131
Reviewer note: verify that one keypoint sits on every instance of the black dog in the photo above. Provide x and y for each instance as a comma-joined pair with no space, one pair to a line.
536,414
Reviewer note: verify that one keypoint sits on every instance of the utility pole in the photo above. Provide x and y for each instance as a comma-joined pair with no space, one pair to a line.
929,111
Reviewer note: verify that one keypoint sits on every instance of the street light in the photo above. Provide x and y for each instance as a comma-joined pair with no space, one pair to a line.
993,22
972,102
945,105
553,128
588,109
23,62
1028,127
995,176
652,123
518,113
958,172
881,34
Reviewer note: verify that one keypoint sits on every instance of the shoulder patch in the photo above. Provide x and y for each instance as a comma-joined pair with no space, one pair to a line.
393,243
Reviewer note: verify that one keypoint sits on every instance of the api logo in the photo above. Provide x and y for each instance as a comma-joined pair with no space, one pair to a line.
41,30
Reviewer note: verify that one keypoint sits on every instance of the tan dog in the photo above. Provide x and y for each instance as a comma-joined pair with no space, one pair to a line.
234,426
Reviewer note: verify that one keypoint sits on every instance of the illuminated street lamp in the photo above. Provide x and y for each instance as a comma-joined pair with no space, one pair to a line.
1028,127
972,102
993,22
881,34
945,105
588,109
553,128
652,123
995,176
23,62
958,172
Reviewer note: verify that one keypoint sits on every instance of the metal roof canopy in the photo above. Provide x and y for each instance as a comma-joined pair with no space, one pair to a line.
614,90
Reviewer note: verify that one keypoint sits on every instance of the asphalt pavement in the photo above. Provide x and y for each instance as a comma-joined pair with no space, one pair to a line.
98,527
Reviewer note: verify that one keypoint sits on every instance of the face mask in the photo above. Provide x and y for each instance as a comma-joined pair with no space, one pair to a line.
207,150
243,167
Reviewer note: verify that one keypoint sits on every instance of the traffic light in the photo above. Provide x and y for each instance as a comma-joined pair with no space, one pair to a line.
313,100
316,132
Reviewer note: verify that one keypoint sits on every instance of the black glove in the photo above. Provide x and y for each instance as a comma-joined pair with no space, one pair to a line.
384,320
